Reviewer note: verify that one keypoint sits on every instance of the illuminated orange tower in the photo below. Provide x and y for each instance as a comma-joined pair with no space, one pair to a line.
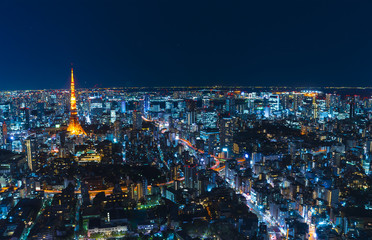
74,126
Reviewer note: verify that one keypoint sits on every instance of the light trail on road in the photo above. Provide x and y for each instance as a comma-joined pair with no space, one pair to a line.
188,143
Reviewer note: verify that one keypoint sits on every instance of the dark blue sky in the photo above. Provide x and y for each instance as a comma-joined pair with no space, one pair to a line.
177,42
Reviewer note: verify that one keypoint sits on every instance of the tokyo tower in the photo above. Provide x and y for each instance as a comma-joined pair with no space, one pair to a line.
74,126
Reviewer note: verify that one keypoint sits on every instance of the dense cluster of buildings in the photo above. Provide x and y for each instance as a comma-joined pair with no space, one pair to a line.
186,163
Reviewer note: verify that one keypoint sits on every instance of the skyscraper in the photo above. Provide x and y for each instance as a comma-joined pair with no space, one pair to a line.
226,126
3,134
315,108
74,126
137,120
190,175
146,104
352,109
31,152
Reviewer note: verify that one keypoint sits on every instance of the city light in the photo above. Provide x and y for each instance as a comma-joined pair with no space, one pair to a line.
178,120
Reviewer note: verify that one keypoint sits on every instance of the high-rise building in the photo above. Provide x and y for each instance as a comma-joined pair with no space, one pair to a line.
3,133
191,113
328,100
190,175
332,197
230,105
315,108
40,109
74,126
332,101
131,191
226,126
274,102
352,109
137,120
206,102
175,169
284,101
26,117
123,108
146,103
297,101
96,107
112,116
141,189
31,152
191,117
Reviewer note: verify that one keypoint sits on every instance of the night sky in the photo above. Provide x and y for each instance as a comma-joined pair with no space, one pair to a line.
178,42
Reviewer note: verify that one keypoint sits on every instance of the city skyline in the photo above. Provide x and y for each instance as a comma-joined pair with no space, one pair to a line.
181,120
180,163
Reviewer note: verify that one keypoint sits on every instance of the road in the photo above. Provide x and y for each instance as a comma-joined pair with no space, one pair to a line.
273,225
188,143
263,217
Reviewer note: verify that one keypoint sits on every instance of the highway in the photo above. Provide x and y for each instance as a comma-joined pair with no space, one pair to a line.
188,143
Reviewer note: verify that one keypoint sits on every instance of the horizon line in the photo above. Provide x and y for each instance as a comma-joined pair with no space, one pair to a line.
198,87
